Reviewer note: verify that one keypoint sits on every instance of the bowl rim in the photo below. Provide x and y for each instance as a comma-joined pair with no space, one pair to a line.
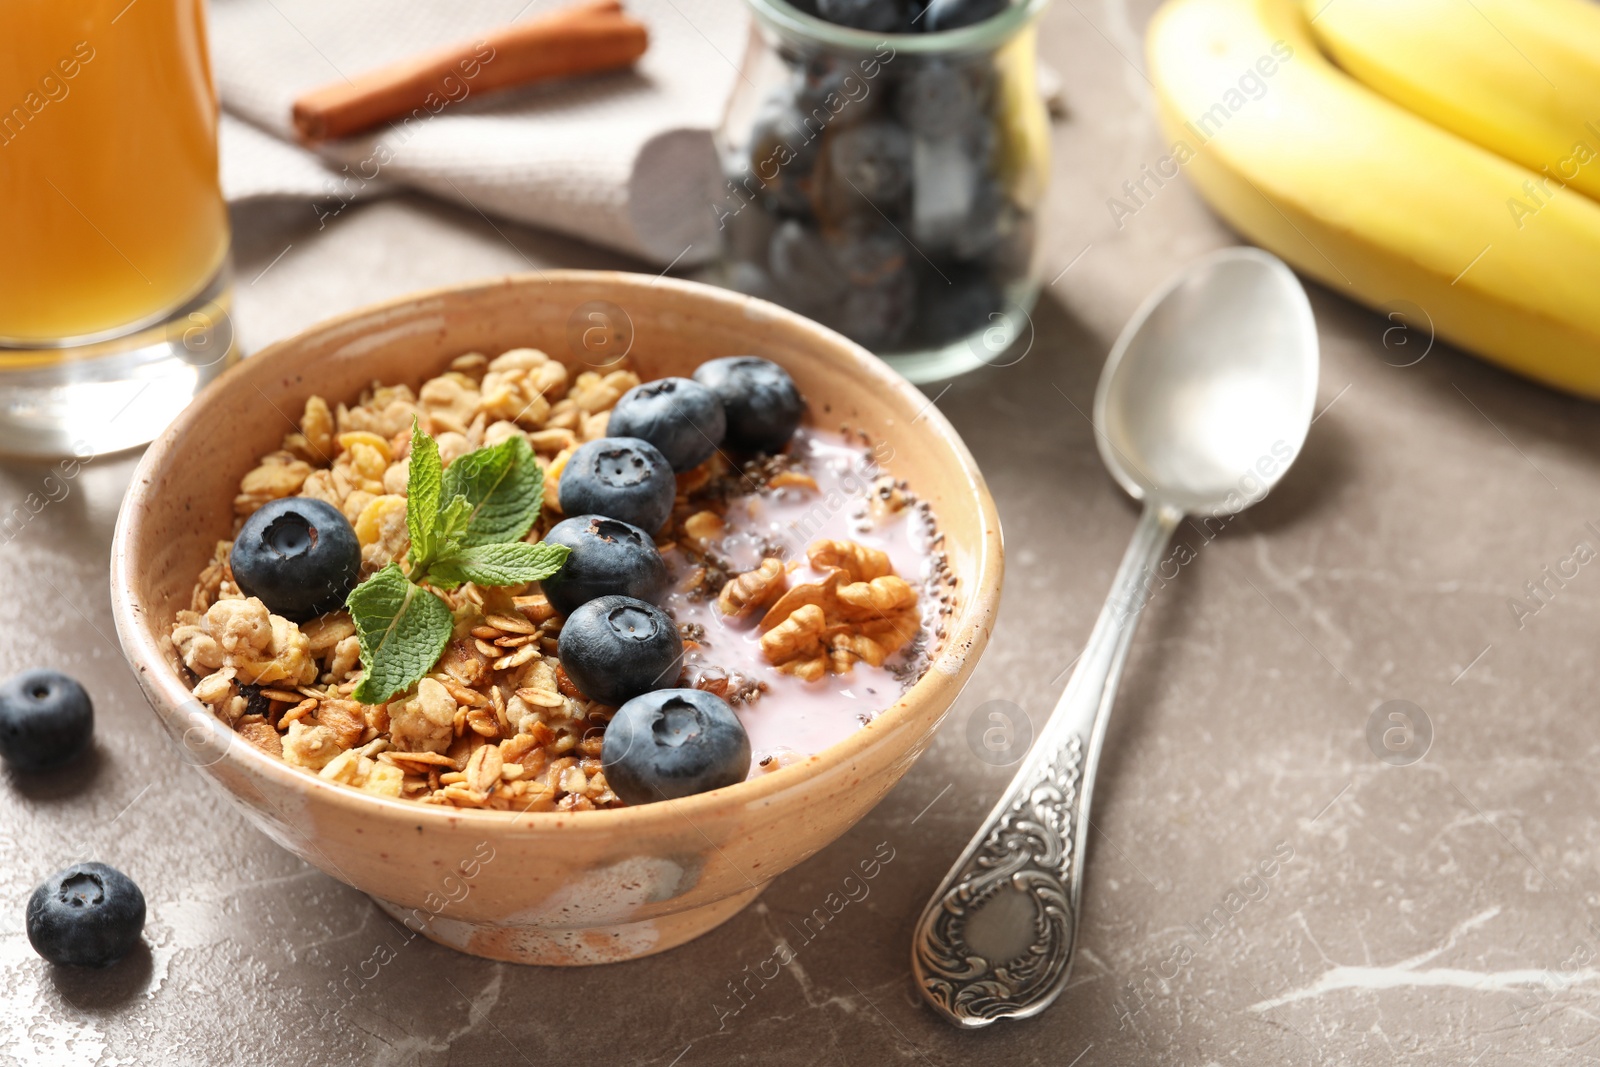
970,626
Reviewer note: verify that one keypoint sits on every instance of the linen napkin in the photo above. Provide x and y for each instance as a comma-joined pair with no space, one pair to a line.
624,160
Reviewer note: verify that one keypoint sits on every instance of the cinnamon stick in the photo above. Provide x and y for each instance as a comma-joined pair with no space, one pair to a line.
585,38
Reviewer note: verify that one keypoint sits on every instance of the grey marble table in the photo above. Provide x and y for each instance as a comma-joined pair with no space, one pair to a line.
1262,887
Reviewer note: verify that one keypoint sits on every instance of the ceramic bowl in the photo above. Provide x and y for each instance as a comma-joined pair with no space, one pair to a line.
549,887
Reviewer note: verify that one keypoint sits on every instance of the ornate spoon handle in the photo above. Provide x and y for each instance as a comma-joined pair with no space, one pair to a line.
996,939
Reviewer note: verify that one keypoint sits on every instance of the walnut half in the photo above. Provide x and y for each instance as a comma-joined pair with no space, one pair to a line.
745,594
861,610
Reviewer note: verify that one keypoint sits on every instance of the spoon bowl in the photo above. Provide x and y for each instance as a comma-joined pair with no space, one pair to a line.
1208,393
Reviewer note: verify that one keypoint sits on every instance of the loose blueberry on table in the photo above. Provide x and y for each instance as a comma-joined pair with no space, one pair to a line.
46,720
607,557
88,915
615,648
674,743
300,557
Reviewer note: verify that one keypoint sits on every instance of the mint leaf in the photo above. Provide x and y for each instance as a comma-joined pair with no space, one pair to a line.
402,628
504,486
452,527
510,563
422,496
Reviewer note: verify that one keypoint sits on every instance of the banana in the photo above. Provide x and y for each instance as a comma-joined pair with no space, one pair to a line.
1519,77
1368,198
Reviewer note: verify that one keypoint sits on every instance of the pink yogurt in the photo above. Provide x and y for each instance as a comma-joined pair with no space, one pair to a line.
807,717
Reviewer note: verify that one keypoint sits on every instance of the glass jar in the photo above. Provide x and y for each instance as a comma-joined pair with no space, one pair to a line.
113,284
890,185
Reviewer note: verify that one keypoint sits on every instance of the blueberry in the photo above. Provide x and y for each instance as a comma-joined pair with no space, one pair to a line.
872,160
608,557
879,16
808,278
299,556
622,478
828,91
783,155
46,718
682,418
674,743
615,648
868,250
964,301
878,315
88,915
953,14
760,399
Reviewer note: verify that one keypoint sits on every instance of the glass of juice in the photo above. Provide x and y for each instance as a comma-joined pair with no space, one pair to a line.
114,291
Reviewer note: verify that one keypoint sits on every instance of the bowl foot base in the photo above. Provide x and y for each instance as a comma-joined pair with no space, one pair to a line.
552,946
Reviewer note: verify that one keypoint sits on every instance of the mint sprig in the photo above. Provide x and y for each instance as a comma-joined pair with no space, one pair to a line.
499,564
403,629
466,524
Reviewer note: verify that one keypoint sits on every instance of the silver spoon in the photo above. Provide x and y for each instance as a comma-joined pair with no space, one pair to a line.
1203,403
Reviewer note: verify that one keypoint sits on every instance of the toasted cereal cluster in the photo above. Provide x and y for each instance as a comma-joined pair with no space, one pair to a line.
496,724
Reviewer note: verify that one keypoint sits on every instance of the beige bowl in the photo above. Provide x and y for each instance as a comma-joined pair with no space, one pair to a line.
549,888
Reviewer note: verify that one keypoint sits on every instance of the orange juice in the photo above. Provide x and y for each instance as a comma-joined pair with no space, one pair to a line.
110,210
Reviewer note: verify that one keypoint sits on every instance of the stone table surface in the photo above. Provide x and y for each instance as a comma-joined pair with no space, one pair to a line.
1262,888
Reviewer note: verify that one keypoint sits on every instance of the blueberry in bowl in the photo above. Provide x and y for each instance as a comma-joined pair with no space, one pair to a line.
762,403
608,558
674,743
681,417
615,648
46,720
298,556
87,915
623,478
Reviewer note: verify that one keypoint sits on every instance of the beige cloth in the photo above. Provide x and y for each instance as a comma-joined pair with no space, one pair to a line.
623,160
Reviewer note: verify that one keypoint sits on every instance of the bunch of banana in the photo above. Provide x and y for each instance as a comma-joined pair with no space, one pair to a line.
1447,178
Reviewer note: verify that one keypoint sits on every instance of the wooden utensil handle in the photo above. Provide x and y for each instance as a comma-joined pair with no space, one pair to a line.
582,39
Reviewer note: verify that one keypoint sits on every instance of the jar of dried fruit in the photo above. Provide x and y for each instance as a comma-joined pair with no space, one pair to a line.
886,177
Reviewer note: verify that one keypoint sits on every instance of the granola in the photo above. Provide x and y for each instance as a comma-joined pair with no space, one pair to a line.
496,723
